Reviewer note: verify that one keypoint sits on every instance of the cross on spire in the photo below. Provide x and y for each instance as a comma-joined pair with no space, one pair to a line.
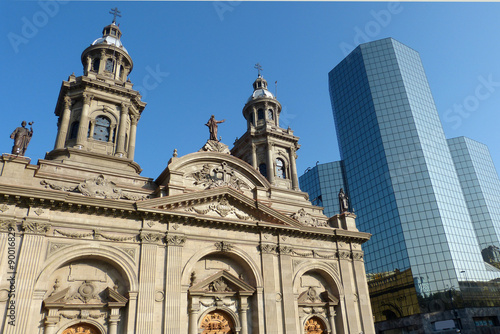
115,12
258,67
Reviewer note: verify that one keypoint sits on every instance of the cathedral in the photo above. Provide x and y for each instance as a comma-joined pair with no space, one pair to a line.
221,242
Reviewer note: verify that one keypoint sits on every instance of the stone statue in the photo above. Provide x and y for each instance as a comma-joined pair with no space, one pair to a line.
343,201
22,137
212,127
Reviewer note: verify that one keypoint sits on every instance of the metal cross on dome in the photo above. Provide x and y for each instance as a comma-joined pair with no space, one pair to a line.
115,13
258,67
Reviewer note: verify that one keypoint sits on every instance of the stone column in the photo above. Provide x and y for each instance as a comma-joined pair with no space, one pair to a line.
254,156
193,315
84,121
293,169
147,282
102,61
88,66
112,133
63,127
117,67
113,319
350,300
331,318
270,163
91,130
365,309
290,312
132,308
120,145
30,256
133,131
173,294
243,316
268,257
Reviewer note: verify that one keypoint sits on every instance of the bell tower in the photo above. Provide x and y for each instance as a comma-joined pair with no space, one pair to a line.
267,147
98,112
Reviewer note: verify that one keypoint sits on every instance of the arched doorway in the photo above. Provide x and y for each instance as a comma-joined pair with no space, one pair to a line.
217,322
82,329
315,326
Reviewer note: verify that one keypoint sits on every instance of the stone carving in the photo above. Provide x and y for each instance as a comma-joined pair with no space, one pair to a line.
159,295
222,176
69,314
303,254
306,219
150,237
35,227
357,256
312,295
6,225
86,292
22,137
98,187
324,256
98,234
215,146
216,323
39,211
219,285
344,255
77,235
129,251
222,208
285,250
4,295
223,246
268,249
4,207
54,247
175,240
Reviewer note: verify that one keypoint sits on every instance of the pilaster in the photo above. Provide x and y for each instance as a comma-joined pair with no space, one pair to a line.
147,270
290,312
268,257
173,293
350,294
84,121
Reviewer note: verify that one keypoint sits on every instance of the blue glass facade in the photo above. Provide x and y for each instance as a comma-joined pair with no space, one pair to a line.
402,181
481,188
323,183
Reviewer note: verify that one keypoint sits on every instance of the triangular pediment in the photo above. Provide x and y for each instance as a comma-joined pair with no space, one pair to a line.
222,282
221,204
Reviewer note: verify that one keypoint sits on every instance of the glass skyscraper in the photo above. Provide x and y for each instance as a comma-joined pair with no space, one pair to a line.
429,227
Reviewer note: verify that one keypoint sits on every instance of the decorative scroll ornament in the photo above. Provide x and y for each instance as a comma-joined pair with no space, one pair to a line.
34,227
345,255
223,246
222,176
175,240
285,250
150,237
215,146
268,249
98,187
4,207
306,219
222,208
357,256
6,225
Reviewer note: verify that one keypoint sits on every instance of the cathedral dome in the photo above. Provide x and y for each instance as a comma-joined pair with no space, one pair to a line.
110,40
259,93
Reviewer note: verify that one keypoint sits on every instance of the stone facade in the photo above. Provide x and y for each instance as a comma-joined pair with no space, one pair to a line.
211,246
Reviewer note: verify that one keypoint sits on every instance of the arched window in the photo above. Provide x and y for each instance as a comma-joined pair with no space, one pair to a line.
263,169
270,114
95,64
109,65
73,133
260,114
280,169
102,128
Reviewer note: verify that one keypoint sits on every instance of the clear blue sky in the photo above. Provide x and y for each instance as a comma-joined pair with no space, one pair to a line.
205,53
